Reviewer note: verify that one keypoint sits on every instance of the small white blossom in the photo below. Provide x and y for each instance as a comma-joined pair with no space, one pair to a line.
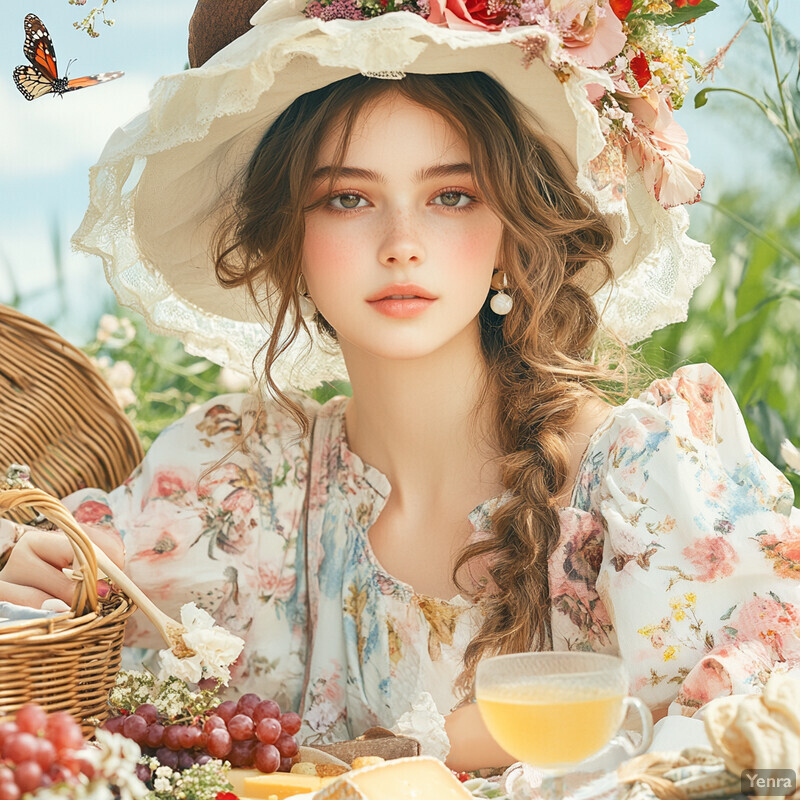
215,649
162,784
791,455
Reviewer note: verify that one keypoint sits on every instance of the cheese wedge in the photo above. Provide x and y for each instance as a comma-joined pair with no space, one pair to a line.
281,785
418,778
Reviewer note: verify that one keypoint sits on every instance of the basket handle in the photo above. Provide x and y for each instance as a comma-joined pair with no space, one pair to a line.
84,599
90,556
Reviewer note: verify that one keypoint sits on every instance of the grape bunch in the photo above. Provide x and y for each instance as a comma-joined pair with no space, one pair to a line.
40,750
249,733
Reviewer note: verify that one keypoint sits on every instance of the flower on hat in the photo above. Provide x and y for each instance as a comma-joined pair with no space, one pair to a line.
624,40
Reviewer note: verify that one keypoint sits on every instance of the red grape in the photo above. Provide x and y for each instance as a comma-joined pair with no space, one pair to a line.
19,747
155,735
247,703
28,776
207,683
31,718
45,754
10,791
149,712
286,765
287,745
267,758
268,730
185,759
63,731
219,743
241,754
173,737
266,708
241,727
6,729
203,758
190,736
167,757
226,710
291,722
114,724
214,721
135,727
143,773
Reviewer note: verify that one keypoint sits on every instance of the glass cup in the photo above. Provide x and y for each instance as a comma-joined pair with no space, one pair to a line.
554,711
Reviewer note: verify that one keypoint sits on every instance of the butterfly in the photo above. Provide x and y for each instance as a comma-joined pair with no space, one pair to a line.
42,77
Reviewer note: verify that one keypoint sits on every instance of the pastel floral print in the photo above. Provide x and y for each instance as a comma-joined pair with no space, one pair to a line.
680,550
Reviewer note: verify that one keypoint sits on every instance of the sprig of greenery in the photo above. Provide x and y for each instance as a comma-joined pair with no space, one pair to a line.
88,22
780,113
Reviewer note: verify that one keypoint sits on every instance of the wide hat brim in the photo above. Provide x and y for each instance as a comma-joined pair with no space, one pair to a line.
154,194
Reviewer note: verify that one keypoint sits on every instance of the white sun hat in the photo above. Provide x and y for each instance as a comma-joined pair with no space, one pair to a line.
154,194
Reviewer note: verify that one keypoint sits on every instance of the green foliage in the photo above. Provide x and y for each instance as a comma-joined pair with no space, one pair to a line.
157,381
745,318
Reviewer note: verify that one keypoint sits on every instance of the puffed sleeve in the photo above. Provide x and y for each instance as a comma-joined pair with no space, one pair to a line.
701,558
206,521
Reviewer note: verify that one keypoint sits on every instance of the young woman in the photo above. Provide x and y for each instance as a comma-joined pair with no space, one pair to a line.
478,493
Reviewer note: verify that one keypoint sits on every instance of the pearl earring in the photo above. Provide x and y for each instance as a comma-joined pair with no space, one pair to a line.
305,303
502,303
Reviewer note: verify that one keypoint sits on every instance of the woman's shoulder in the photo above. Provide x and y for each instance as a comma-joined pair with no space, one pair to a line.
674,423
243,426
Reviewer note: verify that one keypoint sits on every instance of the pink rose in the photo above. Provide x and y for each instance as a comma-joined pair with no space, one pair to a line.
713,556
659,147
466,14
590,29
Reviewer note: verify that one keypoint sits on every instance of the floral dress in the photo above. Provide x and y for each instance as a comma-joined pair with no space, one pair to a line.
680,550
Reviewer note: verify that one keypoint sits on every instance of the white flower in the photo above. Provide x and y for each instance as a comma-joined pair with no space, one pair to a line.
114,758
162,784
791,455
187,669
107,327
121,375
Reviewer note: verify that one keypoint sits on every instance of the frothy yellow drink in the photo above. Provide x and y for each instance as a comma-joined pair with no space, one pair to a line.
551,726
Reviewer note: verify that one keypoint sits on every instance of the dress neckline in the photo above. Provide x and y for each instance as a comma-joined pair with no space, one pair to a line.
354,470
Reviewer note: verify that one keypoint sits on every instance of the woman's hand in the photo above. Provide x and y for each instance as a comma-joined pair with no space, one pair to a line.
33,571
471,745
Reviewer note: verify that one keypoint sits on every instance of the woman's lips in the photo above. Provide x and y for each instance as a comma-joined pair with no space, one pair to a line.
410,307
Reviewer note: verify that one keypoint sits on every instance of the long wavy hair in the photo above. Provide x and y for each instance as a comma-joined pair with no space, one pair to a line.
543,360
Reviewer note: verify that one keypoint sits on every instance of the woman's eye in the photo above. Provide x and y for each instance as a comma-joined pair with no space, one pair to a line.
454,199
346,201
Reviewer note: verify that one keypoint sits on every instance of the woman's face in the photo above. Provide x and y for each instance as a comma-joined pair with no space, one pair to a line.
404,218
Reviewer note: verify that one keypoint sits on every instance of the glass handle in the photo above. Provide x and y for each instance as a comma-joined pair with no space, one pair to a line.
647,727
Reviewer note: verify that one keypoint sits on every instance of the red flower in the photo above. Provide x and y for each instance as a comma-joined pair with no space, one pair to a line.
621,8
684,3
641,69
226,796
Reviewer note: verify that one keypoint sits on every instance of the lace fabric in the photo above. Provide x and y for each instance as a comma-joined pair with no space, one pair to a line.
154,193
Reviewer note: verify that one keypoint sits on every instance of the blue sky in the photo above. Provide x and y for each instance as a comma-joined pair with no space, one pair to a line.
48,145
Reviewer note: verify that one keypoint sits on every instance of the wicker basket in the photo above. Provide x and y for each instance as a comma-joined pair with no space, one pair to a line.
70,662
57,414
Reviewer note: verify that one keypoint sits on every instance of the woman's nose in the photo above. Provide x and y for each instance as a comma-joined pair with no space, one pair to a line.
401,244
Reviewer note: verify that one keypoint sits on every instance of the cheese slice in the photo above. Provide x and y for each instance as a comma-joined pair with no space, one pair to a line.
418,778
280,785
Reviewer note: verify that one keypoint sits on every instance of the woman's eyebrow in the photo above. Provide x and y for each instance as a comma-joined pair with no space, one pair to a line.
428,173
